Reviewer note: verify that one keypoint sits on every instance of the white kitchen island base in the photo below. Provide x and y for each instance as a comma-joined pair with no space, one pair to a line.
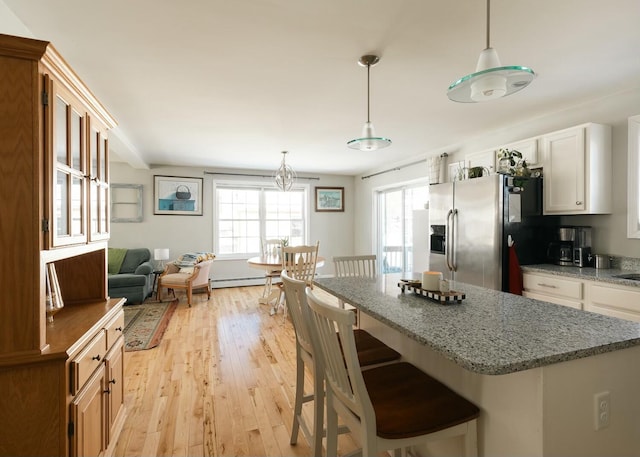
542,411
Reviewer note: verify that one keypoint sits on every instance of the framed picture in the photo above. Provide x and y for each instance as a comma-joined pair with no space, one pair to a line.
176,195
329,198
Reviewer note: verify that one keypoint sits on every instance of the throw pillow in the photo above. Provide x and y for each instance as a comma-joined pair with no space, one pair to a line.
115,257
190,259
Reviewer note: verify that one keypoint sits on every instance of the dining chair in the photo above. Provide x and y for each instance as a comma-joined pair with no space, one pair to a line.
371,351
390,407
359,266
300,262
355,266
270,248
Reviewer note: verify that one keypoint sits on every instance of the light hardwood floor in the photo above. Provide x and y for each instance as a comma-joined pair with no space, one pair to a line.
221,383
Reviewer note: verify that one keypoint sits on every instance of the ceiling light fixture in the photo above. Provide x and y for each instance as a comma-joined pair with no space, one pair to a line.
490,80
285,177
369,140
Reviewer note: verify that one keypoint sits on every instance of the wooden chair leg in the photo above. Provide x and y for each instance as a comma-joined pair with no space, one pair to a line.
189,293
318,413
332,427
297,408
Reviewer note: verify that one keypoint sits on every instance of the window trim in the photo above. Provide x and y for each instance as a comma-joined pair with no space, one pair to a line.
262,186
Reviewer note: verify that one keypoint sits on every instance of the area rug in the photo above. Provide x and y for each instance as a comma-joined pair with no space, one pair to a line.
145,324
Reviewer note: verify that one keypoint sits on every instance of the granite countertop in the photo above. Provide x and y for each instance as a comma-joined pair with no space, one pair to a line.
490,332
592,274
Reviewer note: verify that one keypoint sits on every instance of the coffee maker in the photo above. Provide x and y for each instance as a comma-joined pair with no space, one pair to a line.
582,247
572,247
560,251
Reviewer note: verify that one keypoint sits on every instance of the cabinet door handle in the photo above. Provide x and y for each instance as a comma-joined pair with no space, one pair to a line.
107,391
113,381
578,203
547,285
96,357
118,329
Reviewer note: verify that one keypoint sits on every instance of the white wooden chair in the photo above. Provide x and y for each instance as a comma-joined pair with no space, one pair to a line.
371,352
392,406
300,262
359,266
270,247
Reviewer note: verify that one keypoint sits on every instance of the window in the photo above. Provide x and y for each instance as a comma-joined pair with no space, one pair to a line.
395,225
249,213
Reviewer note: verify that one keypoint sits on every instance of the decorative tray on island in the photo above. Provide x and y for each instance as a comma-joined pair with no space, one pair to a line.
444,298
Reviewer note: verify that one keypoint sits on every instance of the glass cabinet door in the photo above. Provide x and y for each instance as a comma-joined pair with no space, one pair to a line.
99,182
68,139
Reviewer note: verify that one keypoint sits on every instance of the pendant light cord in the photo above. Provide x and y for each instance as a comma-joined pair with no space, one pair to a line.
368,91
488,23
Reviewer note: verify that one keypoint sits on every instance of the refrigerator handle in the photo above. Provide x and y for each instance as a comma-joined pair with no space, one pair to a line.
454,237
448,239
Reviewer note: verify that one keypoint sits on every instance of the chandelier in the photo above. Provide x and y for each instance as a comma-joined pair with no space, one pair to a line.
285,177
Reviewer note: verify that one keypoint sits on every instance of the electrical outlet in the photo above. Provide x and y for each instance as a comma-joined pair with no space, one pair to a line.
601,410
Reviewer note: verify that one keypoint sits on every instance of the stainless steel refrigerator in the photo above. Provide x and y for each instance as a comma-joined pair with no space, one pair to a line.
471,220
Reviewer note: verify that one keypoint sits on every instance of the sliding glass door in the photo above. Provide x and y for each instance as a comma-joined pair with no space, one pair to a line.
395,225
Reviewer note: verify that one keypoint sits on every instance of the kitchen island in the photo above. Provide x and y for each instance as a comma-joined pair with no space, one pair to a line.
533,368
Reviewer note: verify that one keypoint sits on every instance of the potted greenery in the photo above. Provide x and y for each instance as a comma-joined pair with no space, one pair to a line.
511,163
284,243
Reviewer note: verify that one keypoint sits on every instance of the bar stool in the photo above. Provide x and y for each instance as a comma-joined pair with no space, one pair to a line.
355,266
370,351
393,406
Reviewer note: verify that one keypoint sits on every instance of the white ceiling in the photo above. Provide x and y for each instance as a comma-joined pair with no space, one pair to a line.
231,83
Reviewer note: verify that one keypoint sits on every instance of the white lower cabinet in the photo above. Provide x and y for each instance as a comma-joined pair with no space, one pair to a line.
613,300
595,296
553,289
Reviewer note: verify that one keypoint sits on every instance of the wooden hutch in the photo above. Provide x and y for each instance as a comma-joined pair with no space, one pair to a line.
61,382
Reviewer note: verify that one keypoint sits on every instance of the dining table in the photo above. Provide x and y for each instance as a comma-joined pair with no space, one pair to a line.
269,263
535,369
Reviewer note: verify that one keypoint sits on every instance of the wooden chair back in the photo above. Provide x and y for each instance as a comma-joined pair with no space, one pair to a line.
294,292
270,247
332,328
360,266
300,261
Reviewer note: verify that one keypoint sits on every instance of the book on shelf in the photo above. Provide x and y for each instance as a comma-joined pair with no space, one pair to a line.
54,302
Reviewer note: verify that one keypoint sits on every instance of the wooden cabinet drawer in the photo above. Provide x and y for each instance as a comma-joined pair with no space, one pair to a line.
114,329
85,363
616,301
559,287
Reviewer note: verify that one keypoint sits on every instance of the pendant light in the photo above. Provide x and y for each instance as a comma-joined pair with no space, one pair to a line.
491,80
285,177
369,141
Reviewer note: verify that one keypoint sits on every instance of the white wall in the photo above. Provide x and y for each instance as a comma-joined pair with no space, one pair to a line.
609,231
10,24
180,234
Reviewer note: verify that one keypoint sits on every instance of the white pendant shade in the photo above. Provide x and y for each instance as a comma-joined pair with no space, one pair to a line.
369,141
490,80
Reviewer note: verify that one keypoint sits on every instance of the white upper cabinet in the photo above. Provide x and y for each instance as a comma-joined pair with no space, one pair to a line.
577,170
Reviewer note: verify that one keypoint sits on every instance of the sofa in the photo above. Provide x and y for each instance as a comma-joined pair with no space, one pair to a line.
130,274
